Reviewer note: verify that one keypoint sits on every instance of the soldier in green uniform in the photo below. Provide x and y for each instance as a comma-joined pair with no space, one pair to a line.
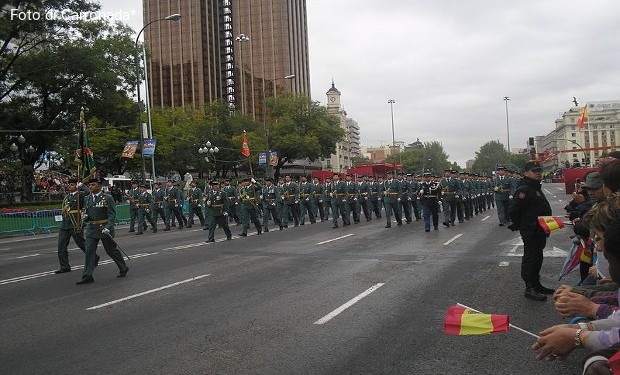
413,193
318,193
290,197
327,198
100,215
305,201
231,195
364,200
133,195
194,197
71,224
449,190
217,211
249,199
158,205
339,192
392,199
270,196
376,195
174,203
145,202
503,185
430,194
405,199
352,198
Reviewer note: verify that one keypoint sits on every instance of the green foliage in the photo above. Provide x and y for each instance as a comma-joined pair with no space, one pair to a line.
489,156
430,157
360,159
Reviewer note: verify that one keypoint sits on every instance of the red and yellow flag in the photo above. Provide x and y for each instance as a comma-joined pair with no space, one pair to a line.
462,321
550,223
583,118
245,149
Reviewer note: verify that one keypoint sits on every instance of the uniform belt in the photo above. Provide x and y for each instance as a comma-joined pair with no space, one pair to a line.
98,221
144,204
157,202
429,196
217,205
248,199
341,195
171,200
449,193
392,193
73,212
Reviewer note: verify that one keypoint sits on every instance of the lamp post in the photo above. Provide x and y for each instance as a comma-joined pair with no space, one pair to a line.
265,127
20,152
391,102
209,149
506,99
585,155
172,17
242,38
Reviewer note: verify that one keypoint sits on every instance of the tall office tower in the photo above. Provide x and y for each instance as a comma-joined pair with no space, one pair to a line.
239,51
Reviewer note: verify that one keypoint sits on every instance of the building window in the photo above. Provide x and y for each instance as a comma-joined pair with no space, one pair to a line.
573,135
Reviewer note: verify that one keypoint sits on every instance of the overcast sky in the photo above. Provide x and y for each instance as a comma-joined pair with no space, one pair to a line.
449,63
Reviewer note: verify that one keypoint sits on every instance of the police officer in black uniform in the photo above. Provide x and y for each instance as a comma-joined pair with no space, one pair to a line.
528,204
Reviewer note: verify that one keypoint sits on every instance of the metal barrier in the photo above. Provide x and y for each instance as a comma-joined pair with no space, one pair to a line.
46,220
17,222
122,213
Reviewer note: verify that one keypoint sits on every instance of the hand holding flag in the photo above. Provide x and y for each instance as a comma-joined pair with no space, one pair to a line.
550,223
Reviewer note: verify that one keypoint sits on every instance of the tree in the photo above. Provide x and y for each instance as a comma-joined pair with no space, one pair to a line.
490,155
300,128
360,159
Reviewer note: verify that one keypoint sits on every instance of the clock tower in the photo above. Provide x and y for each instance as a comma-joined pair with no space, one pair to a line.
333,97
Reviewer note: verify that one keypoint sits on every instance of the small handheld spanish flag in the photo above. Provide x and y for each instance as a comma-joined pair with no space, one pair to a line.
550,223
463,321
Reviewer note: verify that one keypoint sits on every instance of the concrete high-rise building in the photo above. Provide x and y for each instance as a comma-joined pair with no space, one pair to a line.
238,51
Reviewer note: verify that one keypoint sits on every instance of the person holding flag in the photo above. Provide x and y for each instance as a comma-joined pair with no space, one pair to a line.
528,204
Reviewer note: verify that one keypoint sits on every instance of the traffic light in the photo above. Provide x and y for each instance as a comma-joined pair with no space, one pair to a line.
531,141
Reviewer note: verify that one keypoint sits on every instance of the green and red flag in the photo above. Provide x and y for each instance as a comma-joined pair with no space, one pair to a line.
463,321
245,149
550,223
83,154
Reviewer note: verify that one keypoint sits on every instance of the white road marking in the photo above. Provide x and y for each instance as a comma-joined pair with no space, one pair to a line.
47,273
26,256
335,239
147,292
486,217
548,192
452,239
504,264
351,302
185,246
559,200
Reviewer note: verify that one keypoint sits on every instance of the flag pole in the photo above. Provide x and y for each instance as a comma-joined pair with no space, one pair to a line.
509,324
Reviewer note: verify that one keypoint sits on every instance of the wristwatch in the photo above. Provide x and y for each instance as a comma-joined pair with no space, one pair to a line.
583,326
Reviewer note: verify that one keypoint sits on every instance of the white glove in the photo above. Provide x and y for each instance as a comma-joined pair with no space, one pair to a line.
344,200
398,200
260,196
208,203
408,199
355,199
283,197
379,199
225,213
296,201
320,201
253,181
510,197
105,230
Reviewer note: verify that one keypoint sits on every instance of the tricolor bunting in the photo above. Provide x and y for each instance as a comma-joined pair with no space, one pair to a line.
462,321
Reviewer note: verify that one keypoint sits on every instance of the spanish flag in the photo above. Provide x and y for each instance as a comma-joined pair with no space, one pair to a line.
583,118
463,321
550,223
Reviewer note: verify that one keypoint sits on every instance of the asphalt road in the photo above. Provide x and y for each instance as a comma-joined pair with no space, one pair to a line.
310,300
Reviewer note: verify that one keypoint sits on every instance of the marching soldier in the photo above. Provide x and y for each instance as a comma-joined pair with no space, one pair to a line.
194,196
174,204
217,203
466,193
133,195
319,196
413,192
290,197
306,198
158,205
248,197
352,198
231,194
270,196
71,224
339,192
392,200
364,190
430,194
100,215
405,199
503,185
449,191
327,197
145,201
376,195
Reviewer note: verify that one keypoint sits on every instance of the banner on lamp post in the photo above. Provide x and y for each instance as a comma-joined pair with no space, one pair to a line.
273,158
130,149
149,148
262,158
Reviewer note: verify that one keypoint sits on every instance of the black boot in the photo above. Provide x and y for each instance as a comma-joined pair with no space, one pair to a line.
533,294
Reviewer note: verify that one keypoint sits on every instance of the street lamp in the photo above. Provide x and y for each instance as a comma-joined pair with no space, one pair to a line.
242,38
506,99
209,150
172,17
585,155
20,153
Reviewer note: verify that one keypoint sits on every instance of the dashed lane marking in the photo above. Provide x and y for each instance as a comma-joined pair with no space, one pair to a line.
486,217
452,239
335,239
350,303
147,292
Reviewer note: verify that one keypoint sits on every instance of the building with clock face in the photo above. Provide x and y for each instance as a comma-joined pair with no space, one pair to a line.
350,145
